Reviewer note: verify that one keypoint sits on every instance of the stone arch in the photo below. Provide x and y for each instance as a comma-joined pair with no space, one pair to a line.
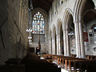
44,13
59,24
76,9
87,14
60,33
68,16
68,12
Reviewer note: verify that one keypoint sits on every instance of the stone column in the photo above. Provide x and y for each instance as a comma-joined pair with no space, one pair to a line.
77,38
64,39
82,50
49,51
50,45
58,44
58,41
67,43
53,43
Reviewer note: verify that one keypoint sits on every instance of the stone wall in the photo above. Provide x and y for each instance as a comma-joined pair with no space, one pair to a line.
60,12
57,15
3,22
91,39
13,36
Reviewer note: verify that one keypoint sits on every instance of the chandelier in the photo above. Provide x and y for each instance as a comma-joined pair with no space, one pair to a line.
29,30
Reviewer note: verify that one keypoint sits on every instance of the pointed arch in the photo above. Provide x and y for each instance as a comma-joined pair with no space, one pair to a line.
60,37
68,16
59,24
78,8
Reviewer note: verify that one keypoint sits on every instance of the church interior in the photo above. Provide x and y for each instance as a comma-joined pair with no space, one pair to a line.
48,35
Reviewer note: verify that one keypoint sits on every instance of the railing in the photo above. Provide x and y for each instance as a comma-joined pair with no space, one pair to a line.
68,63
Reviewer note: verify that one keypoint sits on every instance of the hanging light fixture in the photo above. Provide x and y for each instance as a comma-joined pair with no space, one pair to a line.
29,30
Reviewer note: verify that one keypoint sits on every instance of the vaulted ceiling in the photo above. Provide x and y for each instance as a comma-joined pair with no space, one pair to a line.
90,15
44,4
89,11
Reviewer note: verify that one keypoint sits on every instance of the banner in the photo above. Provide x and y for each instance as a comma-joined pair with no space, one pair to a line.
85,36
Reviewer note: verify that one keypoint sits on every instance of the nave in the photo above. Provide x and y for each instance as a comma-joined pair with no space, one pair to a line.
61,34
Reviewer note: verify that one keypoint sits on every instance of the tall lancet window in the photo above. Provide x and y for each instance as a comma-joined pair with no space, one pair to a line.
38,24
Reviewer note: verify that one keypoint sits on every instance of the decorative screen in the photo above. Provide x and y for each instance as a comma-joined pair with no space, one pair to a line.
38,24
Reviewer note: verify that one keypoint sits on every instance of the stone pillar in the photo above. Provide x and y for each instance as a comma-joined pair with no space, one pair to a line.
58,44
49,51
80,52
50,41
56,50
64,39
77,38
53,43
67,43
58,41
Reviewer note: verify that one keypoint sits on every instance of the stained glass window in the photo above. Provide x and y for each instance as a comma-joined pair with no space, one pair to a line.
38,24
